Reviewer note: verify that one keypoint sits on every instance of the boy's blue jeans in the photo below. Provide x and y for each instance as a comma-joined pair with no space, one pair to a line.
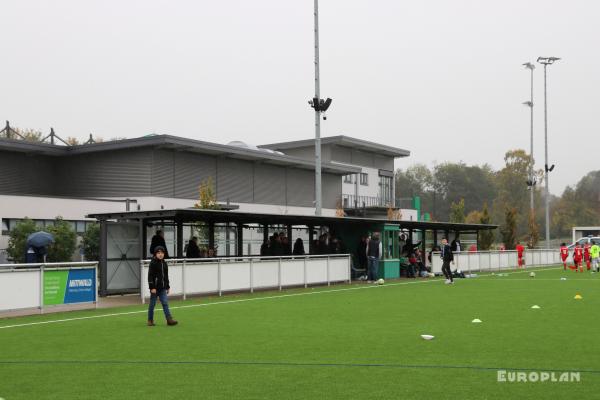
373,268
162,295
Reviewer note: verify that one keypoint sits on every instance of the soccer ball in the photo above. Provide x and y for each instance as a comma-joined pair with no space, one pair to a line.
532,274
380,281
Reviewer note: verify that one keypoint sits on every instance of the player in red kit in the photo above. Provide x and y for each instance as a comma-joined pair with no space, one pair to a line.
578,257
586,255
564,254
520,249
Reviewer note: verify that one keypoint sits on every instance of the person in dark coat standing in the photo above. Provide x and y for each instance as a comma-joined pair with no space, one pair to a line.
447,258
361,254
158,283
374,253
456,245
159,240
298,247
193,251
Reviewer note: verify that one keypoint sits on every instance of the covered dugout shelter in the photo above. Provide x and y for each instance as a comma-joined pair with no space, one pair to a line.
124,237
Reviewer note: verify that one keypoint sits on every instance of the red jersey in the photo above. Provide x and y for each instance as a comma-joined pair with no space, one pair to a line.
564,252
520,249
586,251
577,253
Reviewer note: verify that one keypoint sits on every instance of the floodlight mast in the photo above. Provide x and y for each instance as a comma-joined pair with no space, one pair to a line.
317,117
545,61
320,106
531,182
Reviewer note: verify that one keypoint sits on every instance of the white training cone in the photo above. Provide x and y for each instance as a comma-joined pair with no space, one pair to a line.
563,279
427,337
536,306
476,321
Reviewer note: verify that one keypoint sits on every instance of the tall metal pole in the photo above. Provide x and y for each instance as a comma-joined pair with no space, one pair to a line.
547,61
531,205
317,118
547,200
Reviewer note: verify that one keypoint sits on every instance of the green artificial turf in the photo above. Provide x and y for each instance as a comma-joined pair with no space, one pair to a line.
352,341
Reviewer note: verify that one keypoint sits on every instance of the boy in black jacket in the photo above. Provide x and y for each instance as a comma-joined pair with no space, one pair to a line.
158,282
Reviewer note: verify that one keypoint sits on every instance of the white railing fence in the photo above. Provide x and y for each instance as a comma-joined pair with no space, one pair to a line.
482,261
25,286
218,275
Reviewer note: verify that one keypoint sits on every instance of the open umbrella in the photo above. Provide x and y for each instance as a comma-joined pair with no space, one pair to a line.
40,239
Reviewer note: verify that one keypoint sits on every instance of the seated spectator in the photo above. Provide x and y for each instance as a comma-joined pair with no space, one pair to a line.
412,265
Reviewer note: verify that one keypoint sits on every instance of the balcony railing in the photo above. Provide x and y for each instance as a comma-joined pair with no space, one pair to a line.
350,201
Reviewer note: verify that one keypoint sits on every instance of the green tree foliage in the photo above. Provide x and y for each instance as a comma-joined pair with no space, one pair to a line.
578,206
91,242
17,242
455,181
207,200
457,211
486,238
64,241
509,229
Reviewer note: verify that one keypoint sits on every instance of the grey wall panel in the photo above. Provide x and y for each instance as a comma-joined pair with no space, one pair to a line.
191,169
22,174
300,187
331,190
119,173
163,173
308,153
269,184
341,154
234,180
362,158
382,162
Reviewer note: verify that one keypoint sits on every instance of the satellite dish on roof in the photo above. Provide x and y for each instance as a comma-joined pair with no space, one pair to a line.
239,143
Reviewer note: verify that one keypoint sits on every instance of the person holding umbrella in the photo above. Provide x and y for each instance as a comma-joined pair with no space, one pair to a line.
37,244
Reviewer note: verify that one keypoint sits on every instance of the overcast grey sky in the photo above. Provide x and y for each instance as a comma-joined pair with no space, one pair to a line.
440,78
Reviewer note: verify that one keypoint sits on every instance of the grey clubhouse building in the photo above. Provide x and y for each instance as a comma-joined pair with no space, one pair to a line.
42,181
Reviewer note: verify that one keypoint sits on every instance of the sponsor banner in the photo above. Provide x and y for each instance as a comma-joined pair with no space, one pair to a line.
67,287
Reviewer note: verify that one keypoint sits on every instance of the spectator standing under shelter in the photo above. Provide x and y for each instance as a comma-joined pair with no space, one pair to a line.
192,251
447,258
456,245
298,247
374,251
159,240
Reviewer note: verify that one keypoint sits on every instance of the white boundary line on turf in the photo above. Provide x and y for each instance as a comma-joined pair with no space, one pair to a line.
242,301
219,302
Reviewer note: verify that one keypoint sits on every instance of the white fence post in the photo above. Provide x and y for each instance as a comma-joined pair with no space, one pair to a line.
305,279
279,273
42,289
328,280
219,276
251,275
142,281
183,278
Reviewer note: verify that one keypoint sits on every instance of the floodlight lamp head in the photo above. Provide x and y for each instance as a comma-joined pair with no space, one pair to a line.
529,65
547,60
528,103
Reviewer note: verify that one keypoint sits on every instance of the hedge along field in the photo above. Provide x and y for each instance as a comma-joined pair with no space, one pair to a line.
352,341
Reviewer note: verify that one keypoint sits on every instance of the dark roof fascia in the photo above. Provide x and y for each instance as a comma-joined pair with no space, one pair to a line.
342,140
190,215
25,146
